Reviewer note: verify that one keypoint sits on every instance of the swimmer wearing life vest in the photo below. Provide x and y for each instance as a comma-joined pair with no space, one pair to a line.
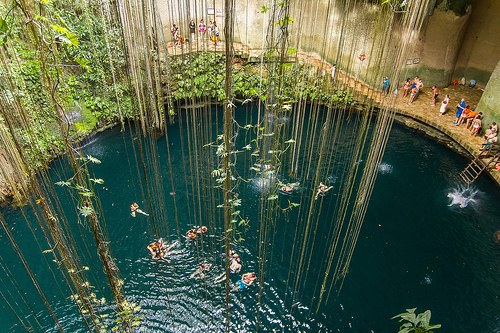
135,208
158,250
191,234
246,281
201,230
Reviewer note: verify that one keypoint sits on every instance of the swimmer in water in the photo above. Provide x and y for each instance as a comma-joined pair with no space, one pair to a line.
135,208
234,268
246,281
288,188
158,250
322,189
201,230
205,267
191,234
497,237
457,200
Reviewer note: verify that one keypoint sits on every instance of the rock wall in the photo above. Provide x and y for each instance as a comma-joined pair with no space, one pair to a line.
480,50
436,52
489,104
459,38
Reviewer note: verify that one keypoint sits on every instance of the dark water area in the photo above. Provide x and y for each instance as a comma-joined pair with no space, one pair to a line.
414,249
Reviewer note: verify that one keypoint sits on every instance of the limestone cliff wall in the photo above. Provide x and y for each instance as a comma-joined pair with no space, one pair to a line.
489,104
453,43
480,50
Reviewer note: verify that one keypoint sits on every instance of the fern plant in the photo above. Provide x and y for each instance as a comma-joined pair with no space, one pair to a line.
418,323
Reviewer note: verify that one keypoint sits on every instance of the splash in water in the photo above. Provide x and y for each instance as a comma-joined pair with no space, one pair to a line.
385,168
462,197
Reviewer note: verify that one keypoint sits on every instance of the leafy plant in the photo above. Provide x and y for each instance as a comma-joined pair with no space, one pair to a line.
416,323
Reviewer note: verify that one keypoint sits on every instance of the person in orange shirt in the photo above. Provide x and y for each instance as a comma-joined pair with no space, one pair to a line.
464,115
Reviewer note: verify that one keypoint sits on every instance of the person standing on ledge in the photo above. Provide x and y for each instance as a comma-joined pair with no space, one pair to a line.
192,29
444,104
387,83
202,29
460,109
435,93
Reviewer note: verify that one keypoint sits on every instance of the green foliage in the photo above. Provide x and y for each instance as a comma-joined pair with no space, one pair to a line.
197,75
202,74
416,323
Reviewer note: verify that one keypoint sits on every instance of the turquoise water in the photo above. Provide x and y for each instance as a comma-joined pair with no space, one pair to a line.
414,250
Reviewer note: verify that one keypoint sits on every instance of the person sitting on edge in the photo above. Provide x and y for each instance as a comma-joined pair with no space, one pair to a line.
191,234
135,208
476,125
406,87
322,189
491,136
460,109
464,115
470,117
246,281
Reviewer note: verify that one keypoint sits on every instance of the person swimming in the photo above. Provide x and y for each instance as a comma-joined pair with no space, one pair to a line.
322,189
235,267
201,230
157,250
246,281
135,208
288,188
191,234
204,267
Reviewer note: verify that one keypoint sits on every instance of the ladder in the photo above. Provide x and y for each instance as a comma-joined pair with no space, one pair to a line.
478,165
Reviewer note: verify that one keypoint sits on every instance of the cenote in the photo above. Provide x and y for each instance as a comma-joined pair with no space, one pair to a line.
414,248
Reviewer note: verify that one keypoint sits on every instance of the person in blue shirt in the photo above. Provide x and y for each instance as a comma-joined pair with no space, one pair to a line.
387,83
460,109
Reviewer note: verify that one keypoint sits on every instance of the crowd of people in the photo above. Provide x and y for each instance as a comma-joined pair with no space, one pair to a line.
464,114
211,30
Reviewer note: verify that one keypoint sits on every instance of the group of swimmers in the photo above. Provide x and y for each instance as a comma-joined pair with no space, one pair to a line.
322,189
160,251
191,234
